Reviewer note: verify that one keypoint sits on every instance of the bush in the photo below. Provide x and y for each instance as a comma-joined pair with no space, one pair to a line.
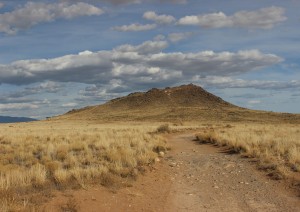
206,137
163,128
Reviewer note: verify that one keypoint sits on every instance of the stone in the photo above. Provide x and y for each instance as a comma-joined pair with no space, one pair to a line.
161,154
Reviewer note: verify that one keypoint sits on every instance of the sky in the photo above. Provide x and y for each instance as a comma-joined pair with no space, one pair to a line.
61,54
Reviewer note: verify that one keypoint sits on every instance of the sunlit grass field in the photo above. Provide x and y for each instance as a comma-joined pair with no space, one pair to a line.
51,155
60,154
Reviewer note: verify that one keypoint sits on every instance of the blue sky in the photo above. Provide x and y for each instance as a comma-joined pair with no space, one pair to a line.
59,55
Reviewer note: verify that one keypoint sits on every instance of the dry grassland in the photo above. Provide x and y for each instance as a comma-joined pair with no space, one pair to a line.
277,146
57,155
48,155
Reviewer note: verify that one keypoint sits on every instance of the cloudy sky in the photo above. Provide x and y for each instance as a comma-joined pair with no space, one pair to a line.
59,55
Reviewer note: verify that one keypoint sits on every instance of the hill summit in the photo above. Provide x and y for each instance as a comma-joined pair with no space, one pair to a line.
181,96
182,103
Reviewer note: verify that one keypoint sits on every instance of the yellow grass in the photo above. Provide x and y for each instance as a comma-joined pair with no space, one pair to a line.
54,153
275,144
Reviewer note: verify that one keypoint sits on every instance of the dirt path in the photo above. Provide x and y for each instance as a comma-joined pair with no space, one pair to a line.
207,179
191,177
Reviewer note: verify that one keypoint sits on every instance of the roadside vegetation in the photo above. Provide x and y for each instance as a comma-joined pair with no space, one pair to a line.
45,155
277,147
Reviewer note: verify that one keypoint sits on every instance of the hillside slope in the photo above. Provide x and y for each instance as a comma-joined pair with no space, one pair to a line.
182,103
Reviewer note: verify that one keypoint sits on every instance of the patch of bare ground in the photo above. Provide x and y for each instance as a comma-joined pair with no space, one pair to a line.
190,177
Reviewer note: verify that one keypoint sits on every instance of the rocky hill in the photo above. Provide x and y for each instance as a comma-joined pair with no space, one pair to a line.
182,103
182,96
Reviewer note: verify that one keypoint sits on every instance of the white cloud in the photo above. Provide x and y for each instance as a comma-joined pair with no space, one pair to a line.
212,63
176,37
148,47
17,106
189,20
135,27
140,65
229,82
70,104
33,13
265,18
48,86
159,38
253,102
159,19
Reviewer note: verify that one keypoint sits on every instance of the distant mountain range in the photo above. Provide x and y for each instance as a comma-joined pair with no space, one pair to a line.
9,119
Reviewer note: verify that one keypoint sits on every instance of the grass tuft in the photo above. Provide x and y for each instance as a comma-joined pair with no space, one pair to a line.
165,128
275,146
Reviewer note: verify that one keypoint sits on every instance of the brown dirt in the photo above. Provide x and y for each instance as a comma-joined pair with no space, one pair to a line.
191,177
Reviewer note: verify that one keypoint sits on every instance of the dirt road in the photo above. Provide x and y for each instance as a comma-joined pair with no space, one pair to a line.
191,177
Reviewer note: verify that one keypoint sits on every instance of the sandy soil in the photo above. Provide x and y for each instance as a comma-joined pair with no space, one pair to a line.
191,177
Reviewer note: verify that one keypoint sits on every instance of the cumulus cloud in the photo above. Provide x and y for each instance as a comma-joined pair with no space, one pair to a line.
33,13
150,15
148,47
44,87
48,86
212,63
265,18
159,19
229,82
135,27
144,64
176,37
159,37
102,92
